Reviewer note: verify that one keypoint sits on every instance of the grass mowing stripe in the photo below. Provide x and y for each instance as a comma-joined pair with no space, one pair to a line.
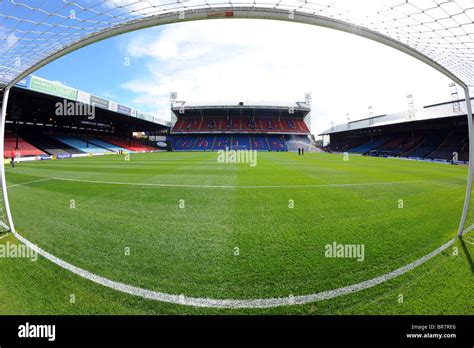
234,186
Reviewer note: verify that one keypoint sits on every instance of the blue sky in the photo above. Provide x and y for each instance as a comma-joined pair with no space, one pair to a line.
232,60
98,69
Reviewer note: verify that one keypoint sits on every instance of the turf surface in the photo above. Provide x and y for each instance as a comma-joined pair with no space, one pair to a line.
92,211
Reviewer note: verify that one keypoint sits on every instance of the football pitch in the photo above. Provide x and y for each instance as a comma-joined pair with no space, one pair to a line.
185,224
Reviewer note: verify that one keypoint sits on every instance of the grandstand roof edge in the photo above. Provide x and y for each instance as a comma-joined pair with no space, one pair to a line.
430,112
246,105
47,89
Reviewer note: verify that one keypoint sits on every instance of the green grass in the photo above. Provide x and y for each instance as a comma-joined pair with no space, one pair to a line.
191,251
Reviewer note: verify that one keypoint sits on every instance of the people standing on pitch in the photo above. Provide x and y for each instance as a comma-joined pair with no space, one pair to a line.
299,152
12,160
302,151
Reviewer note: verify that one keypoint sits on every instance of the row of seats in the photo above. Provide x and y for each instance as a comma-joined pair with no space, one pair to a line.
428,144
400,145
293,125
464,152
129,144
439,144
59,145
235,142
105,145
24,148
373,144
51,146
453,143
79,144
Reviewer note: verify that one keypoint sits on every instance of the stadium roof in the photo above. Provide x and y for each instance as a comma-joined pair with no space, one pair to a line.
56,89
429,112
242,104
438,32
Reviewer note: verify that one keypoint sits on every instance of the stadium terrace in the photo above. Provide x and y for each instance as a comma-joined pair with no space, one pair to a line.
37,129
435,132
240,126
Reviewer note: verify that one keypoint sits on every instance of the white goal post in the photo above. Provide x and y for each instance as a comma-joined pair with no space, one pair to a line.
6,204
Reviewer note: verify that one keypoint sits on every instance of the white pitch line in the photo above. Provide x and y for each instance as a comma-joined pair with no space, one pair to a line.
28,182
231,303
229,186
468,229
446,185
4,226
233,186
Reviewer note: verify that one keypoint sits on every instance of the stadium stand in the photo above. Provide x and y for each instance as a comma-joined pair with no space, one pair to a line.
203,143
24,148
259,143
464,152
237,142
184,143
277,143
370,145
51,146
222,142
79,144
45,134
346,145
430,142
436,132
399,145
262,127
250,125
240,142
103,144
452,143
129,144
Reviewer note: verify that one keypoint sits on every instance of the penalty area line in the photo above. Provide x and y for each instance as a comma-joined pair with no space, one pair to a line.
28,182
235,186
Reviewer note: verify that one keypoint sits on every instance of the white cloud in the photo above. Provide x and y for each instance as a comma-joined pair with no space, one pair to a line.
11,40
278,61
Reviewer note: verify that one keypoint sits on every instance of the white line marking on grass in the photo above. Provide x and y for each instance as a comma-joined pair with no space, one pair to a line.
29,182
468,229
446,185
231,303
4,226
234,186
465,232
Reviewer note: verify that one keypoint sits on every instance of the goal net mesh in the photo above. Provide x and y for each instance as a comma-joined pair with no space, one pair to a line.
32,30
